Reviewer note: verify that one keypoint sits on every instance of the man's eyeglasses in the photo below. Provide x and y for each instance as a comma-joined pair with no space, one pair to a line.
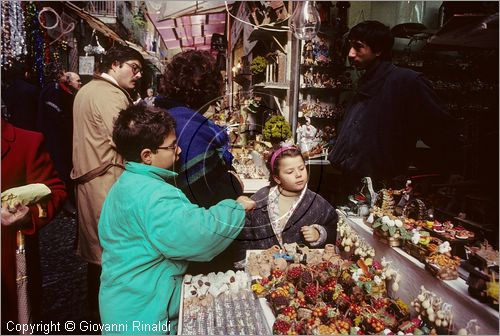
135,68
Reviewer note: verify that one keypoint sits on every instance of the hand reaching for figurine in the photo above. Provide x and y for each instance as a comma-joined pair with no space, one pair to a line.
310,234
15,216
247,203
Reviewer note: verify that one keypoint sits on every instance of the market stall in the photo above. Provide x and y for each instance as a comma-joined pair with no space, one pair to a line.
414,275
333,290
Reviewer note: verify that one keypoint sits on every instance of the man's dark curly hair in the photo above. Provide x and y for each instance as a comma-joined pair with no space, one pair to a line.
192,78
119,54
376,35
139,127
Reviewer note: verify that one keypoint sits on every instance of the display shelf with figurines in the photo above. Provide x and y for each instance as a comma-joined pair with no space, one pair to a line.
249,161
323,77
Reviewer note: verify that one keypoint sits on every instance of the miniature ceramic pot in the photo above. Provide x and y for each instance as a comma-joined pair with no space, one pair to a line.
280,263
329,249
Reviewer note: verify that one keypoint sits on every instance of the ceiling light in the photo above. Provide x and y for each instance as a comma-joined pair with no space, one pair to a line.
305,21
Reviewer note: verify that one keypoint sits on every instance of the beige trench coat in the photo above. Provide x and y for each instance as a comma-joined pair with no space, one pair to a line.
96,106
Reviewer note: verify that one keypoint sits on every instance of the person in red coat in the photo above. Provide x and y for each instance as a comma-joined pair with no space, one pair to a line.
24,161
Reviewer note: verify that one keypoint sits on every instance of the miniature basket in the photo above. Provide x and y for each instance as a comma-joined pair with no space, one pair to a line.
379,290
415,250
384,238
443,273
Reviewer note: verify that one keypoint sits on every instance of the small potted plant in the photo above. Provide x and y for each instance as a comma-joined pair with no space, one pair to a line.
258,68
276,129
390,230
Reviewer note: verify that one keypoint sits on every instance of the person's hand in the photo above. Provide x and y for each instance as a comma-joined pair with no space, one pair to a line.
247,203
17,216
310,234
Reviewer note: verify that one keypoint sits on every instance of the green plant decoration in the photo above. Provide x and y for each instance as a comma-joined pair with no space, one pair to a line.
138,19
276,129
258,65
393,227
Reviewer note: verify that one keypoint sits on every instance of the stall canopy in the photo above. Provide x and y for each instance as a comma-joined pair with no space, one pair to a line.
188,24
468,31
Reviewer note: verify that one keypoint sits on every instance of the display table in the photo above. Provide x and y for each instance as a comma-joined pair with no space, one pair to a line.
233,309
250,186
413,273
220,304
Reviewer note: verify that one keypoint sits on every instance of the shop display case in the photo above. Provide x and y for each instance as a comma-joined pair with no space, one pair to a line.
297,289
323,80
220,304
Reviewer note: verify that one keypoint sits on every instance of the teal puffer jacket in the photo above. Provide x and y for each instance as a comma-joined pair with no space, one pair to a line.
149,232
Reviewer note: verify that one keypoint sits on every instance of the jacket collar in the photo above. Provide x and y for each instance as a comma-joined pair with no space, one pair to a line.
151,171
374,78
301,209
8,136
65,88
99,77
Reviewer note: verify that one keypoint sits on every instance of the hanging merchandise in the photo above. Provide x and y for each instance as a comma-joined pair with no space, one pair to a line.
13,33
59,27
46,50
94,50
304,22
35,41
87,63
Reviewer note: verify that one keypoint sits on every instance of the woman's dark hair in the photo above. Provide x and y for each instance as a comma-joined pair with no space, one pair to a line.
139,127
119,54
192,78
273,165
374,34
53,72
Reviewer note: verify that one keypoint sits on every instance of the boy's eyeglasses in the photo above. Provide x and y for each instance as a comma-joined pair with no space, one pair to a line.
135,68
172,147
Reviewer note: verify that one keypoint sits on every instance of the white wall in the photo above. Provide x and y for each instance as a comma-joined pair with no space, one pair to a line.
392,13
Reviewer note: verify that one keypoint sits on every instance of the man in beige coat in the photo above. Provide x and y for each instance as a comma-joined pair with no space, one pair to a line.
96,164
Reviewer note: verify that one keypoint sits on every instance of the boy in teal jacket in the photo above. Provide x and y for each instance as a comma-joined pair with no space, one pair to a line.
150,231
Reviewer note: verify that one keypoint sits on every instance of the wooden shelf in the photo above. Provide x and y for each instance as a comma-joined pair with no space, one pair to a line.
278,86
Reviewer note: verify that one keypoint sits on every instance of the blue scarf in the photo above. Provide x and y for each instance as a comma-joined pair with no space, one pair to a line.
204,144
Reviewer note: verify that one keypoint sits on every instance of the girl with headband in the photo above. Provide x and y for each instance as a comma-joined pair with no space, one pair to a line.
287,211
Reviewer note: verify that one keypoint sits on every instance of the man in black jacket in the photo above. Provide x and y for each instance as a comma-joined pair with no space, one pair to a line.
391,110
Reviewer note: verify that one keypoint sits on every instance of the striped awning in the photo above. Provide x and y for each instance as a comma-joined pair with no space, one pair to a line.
188,24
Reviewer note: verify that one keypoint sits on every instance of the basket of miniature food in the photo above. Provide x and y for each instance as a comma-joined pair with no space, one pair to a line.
426,246
389,230
415,250
443,266
386,239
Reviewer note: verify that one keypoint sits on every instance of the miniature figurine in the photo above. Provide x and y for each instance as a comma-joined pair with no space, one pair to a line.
308,53
406,194
307,136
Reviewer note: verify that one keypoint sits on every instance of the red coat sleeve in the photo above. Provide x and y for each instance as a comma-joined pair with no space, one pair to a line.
39,169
